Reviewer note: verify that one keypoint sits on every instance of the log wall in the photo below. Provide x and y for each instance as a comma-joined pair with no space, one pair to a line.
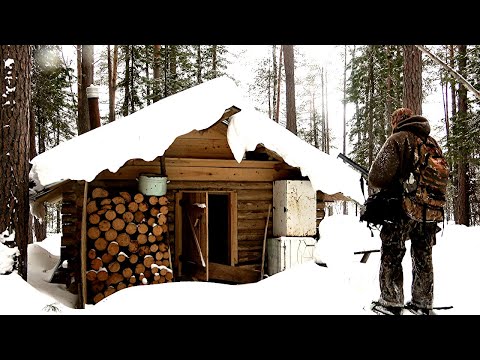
253,199
70,255
252,180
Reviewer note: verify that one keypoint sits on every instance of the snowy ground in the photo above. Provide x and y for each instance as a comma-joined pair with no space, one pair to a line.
346,286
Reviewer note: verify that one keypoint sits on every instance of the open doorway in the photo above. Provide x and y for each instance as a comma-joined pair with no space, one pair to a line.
218,225
205,234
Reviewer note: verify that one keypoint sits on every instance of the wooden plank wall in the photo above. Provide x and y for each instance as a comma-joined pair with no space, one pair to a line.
209,144
251,180
253,199
321,204
203,161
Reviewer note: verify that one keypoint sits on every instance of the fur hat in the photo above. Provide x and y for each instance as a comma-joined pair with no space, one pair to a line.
399,115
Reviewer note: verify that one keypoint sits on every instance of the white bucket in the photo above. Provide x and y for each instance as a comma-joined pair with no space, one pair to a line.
152,184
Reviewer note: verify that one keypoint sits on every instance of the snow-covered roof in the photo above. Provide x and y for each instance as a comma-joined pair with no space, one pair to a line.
148,132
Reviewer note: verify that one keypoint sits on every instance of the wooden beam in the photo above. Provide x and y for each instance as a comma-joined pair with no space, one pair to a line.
227,114
247,195
200,173
197,243
200,148
54,193
83,247
265,242
213,133
233,243
219,185
253,224
232,273
255,164
366,254
178,232
253,205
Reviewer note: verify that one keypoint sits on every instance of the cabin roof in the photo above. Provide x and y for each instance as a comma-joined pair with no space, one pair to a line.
147,134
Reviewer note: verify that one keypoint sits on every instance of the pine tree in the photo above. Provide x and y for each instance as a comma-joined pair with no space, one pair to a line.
15,106
53,111
376,76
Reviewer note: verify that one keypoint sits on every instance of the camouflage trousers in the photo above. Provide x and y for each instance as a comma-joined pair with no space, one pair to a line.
393,250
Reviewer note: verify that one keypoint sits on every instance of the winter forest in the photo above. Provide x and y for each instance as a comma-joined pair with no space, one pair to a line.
44,102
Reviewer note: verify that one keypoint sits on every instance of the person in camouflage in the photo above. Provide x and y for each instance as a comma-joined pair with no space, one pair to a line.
391,165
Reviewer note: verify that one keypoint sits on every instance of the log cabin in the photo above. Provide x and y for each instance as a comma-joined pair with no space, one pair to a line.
215,208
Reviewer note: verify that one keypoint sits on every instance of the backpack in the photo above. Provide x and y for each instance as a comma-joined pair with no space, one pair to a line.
426,185
381,207
422,194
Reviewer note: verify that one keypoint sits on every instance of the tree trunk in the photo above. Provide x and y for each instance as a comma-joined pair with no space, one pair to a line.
214,61
280,62
453,86
165,71
446,106
15,105
357,110
327,128
40,228
81,128
290,88
156,72
463,208
199,65
388,100
269,94
314,122
132,79
172,60
147,74
275,80
112,82
322,88
370,92
126,99
453,92
87,80
345,210
344,147
412,78
109,70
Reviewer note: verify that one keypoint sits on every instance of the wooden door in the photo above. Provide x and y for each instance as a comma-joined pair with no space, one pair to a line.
194,248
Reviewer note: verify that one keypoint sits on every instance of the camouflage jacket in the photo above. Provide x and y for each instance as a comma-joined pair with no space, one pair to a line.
394,161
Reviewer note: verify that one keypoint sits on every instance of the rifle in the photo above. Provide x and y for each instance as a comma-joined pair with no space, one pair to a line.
358,167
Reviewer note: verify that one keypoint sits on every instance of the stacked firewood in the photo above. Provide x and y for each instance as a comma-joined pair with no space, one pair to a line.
126,242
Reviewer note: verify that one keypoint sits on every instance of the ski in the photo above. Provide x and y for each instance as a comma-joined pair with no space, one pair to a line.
418,312
378,309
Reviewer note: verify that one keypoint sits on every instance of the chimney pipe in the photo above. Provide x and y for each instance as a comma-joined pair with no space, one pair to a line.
93,110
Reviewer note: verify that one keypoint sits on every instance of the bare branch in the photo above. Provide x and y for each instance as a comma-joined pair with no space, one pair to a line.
457,76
